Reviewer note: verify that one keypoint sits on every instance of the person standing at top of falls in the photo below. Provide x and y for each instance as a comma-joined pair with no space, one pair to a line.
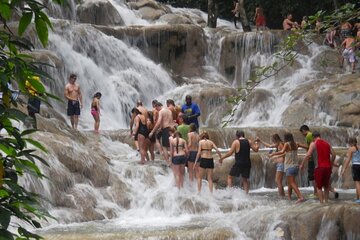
241,147
191,111
206,159
320,151
291,165
353,155
305,131
165,121
288,24
278,144
349,45
236,12
95,111
73,94
259,19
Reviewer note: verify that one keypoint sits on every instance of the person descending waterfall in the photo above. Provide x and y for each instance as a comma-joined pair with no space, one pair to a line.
320,151
353,155
291,165
142,132
165,121
73,94
178,152
206,160
95,111
193,145
305,131
241,147
278,144
191,111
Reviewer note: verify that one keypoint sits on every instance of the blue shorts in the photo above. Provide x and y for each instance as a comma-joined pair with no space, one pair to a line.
192,156
280,167
292,171
178,160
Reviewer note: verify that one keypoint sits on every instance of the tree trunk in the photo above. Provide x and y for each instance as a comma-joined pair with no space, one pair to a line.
243,19
212,13
335,4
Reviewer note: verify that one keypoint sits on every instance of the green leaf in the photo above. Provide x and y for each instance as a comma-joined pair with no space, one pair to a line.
5,10
42,31
24,22
7,150
3,193
37,85
36,144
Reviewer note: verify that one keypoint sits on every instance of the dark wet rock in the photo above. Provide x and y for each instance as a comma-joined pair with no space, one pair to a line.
99,13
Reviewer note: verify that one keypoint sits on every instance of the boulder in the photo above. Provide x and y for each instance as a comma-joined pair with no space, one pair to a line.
100,12
172,18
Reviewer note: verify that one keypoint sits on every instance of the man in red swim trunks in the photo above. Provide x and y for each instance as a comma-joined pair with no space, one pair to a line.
323,156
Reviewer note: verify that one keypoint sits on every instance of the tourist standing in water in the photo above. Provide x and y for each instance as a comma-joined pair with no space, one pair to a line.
236,12
193,146
178,152
320,151
305,131
191,111
144,112
95,111
142,132
183,128
278,144
206,160
241,147
150,125
73,94
165,121
291,165
353,155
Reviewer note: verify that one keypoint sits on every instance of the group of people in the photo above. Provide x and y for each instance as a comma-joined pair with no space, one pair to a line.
348,35
259,17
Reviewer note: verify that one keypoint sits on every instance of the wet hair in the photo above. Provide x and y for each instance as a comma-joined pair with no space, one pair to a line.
188,97
240,133
139,103
170,101
288,137
158,104
204,135
154,102
192,127
276,138
177,134
73,75
353,142
136,111
151,117
97,95
304,128
316,134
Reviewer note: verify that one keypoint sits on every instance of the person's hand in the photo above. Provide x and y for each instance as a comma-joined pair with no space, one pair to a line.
301,167
150,134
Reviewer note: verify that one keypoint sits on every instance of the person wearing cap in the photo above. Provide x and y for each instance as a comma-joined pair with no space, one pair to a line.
191,112
323,156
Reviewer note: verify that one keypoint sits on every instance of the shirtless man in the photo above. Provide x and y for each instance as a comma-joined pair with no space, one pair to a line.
288,24
73,94
165,121
349,45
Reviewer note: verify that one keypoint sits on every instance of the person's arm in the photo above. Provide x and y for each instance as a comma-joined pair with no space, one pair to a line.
308,155
137,120
333,155
229,153
66,94
98,105
198,154
186,149
266,144
281,152
132,120
189,140
171,150
254,145
301,145
80,97
217,150
157,125
347,161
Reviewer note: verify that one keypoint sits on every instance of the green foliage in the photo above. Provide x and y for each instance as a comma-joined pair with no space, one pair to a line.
18,151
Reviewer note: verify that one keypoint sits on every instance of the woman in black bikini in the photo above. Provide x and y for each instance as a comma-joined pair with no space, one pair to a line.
206,160
142,131
178,153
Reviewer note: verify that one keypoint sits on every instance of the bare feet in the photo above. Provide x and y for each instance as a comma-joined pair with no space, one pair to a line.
300,200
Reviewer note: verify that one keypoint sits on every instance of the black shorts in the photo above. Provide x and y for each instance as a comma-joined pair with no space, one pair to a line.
158,135
153,138
207,163
192,156
165,137
178,160
237,170
33,106
311,169
73,108
356,172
